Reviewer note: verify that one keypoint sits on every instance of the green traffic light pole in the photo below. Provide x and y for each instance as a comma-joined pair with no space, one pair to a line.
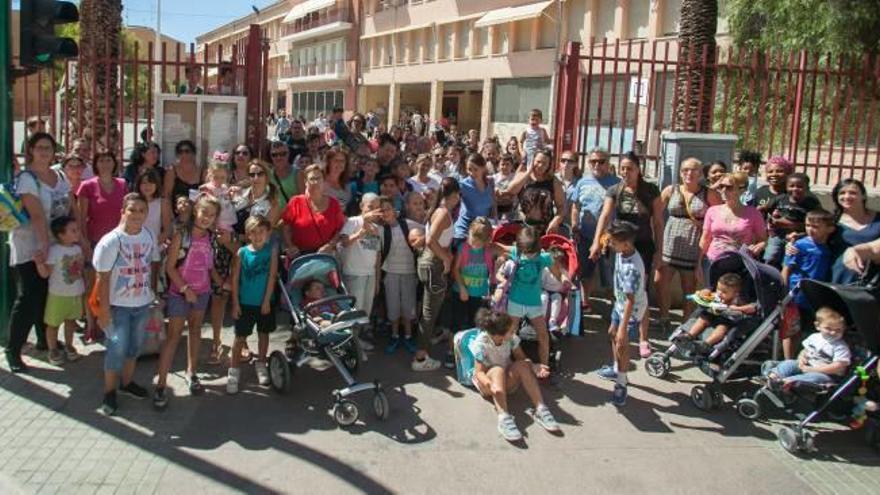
6,158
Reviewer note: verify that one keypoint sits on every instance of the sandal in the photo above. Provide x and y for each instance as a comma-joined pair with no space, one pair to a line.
644,349
216,351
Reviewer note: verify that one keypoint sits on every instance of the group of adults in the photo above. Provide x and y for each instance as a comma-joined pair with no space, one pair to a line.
308,185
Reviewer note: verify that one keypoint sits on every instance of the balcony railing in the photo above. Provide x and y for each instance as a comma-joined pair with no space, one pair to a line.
315,20
330,68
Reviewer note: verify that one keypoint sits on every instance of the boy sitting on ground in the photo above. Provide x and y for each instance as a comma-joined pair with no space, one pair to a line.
726,309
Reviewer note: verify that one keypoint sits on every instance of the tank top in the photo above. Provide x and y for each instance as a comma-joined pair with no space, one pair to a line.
254,274
445,238
153,223
182,188
195,268
536,201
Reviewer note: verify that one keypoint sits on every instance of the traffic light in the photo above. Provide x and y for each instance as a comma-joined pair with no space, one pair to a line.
39,45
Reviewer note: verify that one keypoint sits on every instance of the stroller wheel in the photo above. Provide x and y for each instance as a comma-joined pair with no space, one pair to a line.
657,365
702,398
789,439
345,412
280,375
380,405
748,408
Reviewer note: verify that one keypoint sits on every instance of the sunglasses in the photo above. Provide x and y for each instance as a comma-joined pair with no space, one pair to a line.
724,187
243,152
257,174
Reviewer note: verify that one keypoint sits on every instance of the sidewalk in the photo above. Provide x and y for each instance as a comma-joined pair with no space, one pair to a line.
441,437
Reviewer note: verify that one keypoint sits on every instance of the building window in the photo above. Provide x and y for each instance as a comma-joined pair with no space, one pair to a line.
523,36
670,20
446,42
463,40
502,39
637,20
605,20
310,103
430,45
546,32
512,99
481,41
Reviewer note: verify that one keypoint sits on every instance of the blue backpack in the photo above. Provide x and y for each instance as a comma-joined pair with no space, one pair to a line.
464,358
12,213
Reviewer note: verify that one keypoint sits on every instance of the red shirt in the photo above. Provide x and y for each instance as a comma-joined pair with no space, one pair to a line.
310,229
105,209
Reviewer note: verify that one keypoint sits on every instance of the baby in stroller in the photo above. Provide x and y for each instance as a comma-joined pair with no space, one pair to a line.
321,314
725,309
556,284
824,359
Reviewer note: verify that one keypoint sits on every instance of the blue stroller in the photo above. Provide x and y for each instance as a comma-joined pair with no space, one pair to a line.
335,342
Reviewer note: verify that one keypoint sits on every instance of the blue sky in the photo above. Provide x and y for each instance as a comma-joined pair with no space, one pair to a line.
184,20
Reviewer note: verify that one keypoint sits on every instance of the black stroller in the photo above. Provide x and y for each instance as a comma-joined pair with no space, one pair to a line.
732,357
860,304
336,342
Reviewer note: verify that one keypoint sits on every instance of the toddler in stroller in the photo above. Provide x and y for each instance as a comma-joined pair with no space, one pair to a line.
834,372
323,311
556,285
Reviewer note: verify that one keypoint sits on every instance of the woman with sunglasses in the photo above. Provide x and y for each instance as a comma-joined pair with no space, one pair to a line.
261,198
186,175
241,156
288,182
730,225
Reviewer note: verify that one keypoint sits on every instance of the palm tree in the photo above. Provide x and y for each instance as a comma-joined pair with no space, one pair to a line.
699,23
100,32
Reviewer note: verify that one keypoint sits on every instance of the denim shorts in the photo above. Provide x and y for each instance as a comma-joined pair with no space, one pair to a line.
126,335
632,329
178,307
522,311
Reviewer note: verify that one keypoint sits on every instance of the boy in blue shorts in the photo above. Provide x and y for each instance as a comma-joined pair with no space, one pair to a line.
630,304
812,260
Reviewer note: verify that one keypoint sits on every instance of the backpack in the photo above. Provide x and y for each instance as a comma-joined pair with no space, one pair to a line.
186,241
12,213
386,238
464,358
501,304
487,258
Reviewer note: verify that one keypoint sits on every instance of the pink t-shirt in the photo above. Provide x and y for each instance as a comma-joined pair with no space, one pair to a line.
105,209
731,235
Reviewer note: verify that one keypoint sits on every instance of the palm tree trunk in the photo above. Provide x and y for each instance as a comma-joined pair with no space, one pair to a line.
696,78
100,31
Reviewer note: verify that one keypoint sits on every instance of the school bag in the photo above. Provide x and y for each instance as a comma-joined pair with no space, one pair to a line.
12,213
501,304
464,358
155,331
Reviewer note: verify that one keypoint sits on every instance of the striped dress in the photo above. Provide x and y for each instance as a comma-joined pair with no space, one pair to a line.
681,237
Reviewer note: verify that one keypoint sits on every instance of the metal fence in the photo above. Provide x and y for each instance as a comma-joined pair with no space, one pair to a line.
817,110
64,96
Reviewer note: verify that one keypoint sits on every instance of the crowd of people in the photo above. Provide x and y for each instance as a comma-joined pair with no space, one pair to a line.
410,215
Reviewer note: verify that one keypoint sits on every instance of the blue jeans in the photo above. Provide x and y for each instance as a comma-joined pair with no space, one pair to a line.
126,335
774,251
789,369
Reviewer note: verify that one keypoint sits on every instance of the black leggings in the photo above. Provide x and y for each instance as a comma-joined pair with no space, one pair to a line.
29,307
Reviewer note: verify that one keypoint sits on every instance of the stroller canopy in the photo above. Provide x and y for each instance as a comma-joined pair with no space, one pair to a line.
763,282
859,304
565,244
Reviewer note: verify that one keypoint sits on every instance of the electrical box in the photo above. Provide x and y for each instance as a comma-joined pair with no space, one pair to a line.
677,146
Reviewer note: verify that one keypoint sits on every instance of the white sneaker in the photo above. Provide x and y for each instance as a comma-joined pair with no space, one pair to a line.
232,381
262,373
442,336
507,428
427,364
545,418
366,345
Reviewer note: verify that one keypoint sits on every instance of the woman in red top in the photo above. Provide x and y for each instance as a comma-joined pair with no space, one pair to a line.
313,220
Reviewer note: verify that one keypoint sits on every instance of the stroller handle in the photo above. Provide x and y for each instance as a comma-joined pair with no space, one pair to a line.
319,302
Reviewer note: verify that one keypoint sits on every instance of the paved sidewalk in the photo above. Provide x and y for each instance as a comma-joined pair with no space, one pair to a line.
441,438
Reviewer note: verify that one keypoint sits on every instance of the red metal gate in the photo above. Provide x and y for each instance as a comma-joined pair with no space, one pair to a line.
819,111
53,93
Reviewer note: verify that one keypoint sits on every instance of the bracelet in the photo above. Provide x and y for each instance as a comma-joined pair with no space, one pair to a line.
184,288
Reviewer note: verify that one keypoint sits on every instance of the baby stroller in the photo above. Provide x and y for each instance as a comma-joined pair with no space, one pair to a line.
506,234
860,305
725,360
336,342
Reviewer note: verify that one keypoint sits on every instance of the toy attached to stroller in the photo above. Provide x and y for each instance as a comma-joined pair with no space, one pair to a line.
762,289
860,306
316,337
571,316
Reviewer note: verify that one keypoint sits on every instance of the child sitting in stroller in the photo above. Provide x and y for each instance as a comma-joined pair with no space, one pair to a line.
824,359
555,283
725,308
323,314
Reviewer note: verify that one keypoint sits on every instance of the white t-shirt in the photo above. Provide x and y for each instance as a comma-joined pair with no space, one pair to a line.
128,258
821,351
551,283
422,187
629,278
400,258
55,202
486,352
67,263
153,223
360,257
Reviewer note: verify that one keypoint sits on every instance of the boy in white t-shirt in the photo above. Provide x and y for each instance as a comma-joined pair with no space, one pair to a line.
123,259
360,241
64,305
825,356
